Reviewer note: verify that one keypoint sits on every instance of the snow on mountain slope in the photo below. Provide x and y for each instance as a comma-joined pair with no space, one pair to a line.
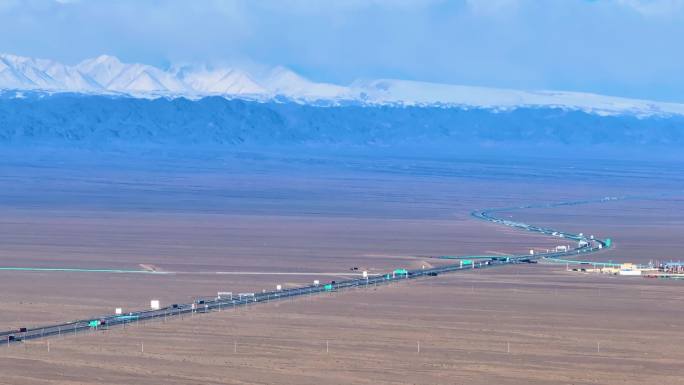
219,81
39,74
421,93
25,73
68,77
11,78
140,78
107,74
113,75
282,81
103,69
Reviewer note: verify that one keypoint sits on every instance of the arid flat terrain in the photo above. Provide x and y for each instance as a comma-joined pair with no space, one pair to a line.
527,324
517,325
643,229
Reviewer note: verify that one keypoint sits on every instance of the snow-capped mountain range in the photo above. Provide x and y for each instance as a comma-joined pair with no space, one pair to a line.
108,75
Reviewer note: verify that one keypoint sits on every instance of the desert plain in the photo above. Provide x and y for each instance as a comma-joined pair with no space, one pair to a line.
247,222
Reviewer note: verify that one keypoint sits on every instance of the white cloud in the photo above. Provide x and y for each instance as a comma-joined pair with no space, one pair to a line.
655,8
622,47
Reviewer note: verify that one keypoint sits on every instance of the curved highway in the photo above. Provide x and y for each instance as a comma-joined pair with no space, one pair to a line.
584,245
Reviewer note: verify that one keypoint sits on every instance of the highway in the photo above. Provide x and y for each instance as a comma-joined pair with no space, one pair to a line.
584,245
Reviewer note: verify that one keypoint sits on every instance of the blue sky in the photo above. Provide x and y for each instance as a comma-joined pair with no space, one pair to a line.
619,47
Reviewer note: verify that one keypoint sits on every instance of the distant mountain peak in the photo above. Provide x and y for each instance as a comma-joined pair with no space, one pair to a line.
106,74
104,58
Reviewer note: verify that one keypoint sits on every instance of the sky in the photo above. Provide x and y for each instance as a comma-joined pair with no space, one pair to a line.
629,48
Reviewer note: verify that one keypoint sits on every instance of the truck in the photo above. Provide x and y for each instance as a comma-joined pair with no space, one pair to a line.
96,323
